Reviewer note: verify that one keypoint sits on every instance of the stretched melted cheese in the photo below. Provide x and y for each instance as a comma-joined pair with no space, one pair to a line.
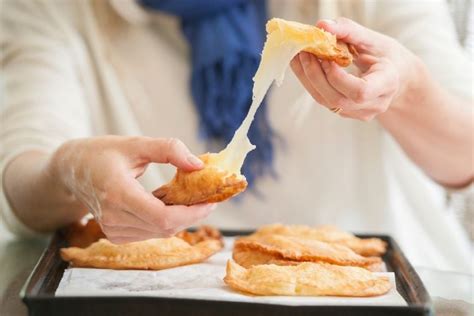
284,40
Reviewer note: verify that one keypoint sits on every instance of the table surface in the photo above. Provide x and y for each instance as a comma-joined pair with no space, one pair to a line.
452,293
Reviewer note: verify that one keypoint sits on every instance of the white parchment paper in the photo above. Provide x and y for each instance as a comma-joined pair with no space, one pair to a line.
198,281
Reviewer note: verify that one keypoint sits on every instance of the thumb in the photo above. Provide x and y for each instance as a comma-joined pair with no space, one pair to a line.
173,151
350,32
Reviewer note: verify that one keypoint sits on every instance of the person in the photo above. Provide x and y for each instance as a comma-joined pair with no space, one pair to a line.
77,71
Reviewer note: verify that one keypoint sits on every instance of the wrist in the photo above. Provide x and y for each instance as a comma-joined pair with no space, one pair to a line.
56,171
412,91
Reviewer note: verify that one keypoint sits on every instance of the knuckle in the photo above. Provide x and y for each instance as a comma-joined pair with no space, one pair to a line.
174,143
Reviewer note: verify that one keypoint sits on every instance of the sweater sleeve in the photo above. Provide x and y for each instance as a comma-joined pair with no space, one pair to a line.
42,102
427,29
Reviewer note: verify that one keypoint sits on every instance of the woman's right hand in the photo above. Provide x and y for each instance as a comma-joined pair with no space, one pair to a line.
102,172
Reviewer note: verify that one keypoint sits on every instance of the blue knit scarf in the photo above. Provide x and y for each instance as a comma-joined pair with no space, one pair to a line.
226,38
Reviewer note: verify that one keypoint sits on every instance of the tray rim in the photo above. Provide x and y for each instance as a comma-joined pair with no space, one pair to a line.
30,293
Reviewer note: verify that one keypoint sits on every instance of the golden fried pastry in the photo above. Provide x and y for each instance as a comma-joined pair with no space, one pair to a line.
305,279
319,42
152,254
209,185
204,232
290,248
330,234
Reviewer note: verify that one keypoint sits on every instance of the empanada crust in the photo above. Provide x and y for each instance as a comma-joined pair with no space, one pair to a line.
285,249
305,279
320,43
208,185
363,246
152,254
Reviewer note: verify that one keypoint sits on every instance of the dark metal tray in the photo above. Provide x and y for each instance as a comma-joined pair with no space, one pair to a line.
38,294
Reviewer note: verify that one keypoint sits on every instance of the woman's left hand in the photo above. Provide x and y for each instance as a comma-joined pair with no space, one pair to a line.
387,71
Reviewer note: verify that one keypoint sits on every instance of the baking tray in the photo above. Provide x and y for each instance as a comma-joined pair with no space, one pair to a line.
38,293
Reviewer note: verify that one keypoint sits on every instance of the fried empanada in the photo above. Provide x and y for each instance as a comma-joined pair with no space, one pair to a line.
364,246
152,254
209,185
305,279
319,42
290,248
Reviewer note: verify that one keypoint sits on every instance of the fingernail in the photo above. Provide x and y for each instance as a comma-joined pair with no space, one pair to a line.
305,59
195,161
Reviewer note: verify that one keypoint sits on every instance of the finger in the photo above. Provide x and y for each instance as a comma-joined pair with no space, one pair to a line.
365,115
125,240
317,78
179,217
124,218
364,61
377,81
299,72
152,210
124,231
169,150
352,33
352,87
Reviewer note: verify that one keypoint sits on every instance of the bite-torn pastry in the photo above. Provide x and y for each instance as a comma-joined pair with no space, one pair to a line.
248,256
318,42
281,249
209,185
330,234
221,179
152,254
204,232
305,279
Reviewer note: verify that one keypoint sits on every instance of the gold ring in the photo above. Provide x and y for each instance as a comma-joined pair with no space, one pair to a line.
336,110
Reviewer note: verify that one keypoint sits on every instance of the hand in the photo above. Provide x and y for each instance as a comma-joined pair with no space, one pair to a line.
386,72
102,172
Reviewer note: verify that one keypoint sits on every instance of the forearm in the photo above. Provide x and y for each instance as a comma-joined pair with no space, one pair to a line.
435,129
36,197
